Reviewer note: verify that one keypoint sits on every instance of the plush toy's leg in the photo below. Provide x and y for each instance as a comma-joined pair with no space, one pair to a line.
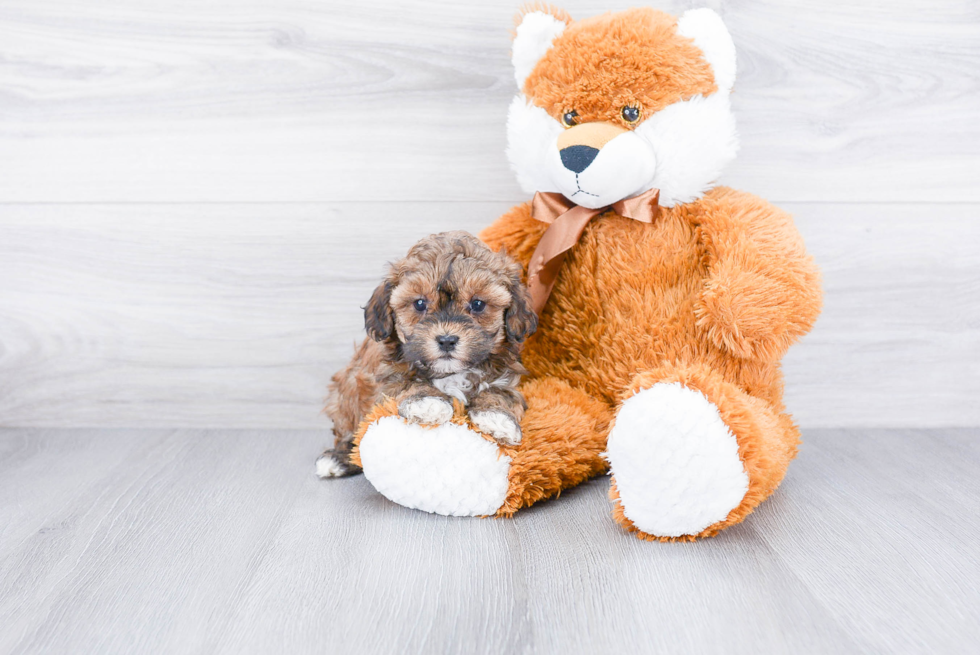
692,454
455,470
565,433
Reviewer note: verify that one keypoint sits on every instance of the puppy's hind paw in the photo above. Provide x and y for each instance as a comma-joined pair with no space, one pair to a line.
332,465
500,425
430,410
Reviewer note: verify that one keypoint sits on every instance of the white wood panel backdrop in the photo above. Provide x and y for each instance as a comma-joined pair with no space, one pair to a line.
196,197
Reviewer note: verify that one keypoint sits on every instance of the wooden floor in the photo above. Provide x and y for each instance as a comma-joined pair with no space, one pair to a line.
184,541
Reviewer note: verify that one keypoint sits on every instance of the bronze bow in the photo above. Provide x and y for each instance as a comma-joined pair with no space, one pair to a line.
567,222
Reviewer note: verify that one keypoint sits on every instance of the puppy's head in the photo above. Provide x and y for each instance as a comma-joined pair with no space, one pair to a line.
450,304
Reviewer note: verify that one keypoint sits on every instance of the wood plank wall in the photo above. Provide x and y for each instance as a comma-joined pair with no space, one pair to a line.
196,198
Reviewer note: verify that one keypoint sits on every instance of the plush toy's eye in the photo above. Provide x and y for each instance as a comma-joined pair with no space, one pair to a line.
631,114
569,118
420,305
477,306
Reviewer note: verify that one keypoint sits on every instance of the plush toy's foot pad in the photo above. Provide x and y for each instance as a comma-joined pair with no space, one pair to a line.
675,462
447,469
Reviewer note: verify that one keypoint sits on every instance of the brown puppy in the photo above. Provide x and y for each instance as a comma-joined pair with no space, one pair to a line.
447,322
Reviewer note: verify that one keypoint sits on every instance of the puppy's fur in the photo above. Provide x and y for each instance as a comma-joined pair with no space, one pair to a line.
447,322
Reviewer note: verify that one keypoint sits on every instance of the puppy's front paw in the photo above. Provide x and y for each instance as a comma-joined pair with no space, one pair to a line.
500,425
332,465
431,410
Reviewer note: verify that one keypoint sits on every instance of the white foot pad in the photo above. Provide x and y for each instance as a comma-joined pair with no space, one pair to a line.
427,410
675,461
327,466
447,470
498,425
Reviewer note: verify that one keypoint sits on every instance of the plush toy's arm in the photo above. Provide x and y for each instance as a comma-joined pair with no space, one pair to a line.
762,290
516,232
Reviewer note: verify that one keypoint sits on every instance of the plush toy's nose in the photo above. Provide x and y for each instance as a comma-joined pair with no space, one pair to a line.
578,158
579,145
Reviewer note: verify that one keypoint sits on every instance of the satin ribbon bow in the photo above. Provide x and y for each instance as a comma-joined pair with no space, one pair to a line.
567,222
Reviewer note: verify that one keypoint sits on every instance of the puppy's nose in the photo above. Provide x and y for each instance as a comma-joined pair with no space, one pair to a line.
578,158
447,342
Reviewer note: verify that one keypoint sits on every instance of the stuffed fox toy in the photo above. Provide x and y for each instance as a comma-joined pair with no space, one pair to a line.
665,302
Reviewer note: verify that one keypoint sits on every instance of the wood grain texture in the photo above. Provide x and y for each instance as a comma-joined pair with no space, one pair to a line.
291,101
236,315
214,541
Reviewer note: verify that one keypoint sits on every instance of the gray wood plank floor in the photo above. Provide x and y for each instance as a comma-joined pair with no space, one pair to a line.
153,541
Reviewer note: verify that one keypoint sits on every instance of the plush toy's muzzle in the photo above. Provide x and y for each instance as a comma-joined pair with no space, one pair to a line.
600,163
579,145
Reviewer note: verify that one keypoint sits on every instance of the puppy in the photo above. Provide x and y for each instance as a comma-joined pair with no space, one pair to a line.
447,322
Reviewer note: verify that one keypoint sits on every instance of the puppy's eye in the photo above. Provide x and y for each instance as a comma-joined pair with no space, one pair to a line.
420,305
477,306
569,118
631,114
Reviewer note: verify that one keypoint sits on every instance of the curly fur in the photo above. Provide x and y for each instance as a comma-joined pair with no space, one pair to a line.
403,359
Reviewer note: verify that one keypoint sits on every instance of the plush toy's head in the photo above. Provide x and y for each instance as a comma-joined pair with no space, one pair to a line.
614,105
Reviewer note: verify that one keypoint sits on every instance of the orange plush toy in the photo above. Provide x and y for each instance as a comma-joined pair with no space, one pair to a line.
665,302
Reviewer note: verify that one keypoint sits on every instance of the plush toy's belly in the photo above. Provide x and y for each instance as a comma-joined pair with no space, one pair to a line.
624,302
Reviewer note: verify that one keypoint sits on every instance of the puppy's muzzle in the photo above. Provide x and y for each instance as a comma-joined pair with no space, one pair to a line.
447,342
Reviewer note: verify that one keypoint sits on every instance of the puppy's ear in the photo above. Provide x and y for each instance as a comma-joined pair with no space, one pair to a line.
520,321
379,320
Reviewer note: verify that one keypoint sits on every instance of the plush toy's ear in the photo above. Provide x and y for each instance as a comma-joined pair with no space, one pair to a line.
379,320
712,37
537,28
